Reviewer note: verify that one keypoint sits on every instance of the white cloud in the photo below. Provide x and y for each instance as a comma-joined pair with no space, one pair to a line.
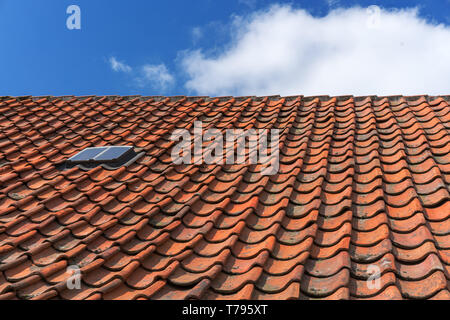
197,34
332,3
249,3
119,66
157,76
357,51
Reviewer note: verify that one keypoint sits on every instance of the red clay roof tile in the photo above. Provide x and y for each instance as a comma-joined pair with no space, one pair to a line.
363,184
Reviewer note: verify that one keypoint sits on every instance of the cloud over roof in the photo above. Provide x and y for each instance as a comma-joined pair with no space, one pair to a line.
283,50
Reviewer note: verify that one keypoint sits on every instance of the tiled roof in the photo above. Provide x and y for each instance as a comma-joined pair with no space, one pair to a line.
363,184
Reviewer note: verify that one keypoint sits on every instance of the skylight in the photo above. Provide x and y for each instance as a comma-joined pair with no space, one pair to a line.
99,155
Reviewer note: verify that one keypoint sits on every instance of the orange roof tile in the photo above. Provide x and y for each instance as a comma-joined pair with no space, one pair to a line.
363,185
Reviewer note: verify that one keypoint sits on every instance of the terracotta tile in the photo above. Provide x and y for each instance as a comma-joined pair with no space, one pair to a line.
389,293
274,284
185,278
323,287
362,289
425,288
168,292
414,255
141,279
291,292
224,283
328,267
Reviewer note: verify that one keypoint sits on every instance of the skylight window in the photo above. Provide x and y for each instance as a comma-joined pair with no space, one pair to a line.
115,155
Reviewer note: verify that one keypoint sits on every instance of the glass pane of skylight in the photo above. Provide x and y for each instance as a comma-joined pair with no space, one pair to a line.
112,153
87,154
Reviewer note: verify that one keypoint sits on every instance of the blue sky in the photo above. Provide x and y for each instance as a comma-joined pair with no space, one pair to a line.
187,43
